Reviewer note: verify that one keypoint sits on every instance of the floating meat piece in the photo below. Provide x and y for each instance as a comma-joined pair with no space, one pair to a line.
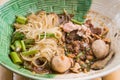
64,18
76,46
68,27
88,23
70,47
96,30
72,36
102,63
84,32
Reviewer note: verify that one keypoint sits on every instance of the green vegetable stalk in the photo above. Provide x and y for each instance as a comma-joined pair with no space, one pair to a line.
17,36
15,58
17,45
76,22
21,19
31,52
12,47
48,35
23,45
29,41
81,53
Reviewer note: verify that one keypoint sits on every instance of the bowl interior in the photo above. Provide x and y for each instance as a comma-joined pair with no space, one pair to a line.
99,11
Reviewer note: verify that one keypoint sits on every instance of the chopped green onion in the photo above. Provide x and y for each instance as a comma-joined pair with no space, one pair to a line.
23,45
21,19
77,22
29,41
12,47
15,58
48,35
81,53
17,45
29,46
84,65
68,34
17,36
87,49
31,52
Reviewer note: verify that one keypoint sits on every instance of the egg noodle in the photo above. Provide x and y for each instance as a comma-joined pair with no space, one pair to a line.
42,23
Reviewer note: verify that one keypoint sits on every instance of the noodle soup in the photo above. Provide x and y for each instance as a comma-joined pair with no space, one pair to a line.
57,43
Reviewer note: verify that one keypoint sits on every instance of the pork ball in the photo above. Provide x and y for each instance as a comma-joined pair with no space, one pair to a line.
100,49
60,63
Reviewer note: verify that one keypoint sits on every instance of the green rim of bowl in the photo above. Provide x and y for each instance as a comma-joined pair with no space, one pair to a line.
24,7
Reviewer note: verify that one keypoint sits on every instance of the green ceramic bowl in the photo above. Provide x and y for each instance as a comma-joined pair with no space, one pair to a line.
24,7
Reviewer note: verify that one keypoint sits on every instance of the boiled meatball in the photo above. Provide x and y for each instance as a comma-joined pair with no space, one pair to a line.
60,63
100,49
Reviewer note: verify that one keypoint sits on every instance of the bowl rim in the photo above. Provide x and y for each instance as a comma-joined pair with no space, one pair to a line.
41,78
